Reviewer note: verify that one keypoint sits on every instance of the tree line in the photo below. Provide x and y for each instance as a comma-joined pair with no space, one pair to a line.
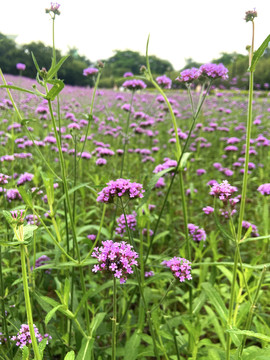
119,63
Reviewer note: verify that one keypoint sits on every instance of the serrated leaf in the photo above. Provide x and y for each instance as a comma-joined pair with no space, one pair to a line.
216,300
258,53
41,347
97,320
151,185
8,216
26,196
70,355
51,314
28,231
132,347
25,353
54,69
58,86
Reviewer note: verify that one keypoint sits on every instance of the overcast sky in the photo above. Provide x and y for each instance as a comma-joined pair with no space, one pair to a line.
179,29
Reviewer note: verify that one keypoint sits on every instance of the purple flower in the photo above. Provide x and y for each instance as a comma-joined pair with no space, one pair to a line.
264,189
213,71
91,237
23,337
90,71
188,75
42,260
25,177
208,210
180,268
54,8
223,191
116,258
148,274
120,187
4,179
164,81
196,233
20,66
134,85
101,162
247,225
201,172
166,165
128,74
131,223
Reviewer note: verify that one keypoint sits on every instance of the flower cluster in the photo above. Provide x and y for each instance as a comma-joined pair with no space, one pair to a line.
206,71
120,187
4,179
54,9
164,81
196,233
180,268
134,85
90,71
166,165
24,178
23,337
223,191
20,66
131,223
247,225
264,189
250,15
42,260
188,75
116,258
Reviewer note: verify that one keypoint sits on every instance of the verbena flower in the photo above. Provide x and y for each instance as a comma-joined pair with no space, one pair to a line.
21,66
120,187
247,225
213,71
264,189
128,74
131,223
196,233
208,210
54,9
4,179
42,260
24,178
168,163
250,15
164,81
23,337
116,258
90,71
188,75
180,268
148,274
134,85
223,191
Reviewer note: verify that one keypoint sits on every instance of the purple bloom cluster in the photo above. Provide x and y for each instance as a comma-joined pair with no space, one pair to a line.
196,233
134,85
42,260
116,258
120,187
213,71
188,75
164,81
180,268
264,189
128,74
23,337
4,179
166,165
247,225
90,71
20,66
148,274
131,222
24,178
223,191
208,210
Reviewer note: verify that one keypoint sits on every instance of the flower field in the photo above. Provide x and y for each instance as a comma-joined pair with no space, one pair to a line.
135,222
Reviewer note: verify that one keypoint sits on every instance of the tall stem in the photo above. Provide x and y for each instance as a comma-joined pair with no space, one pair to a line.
114,321
28,305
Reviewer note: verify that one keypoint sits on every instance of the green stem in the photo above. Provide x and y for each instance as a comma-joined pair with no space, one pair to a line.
28,305
114,320
126,136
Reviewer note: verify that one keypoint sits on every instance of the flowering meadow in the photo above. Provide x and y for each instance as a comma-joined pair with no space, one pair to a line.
135,223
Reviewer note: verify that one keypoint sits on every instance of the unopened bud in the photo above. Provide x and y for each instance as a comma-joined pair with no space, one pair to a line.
250,15
142,69
100,64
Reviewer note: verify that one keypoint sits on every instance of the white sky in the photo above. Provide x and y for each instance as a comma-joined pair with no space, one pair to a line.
179,29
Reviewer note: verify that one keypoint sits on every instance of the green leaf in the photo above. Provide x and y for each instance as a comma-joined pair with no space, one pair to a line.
95,323
25,353
216,300
28,231
8,217
54,69
26,196
86,349
35,63
218,328
132,347
70,355
41,347
58,86
26,121
151,184
12,87
184,160
250,333
258,53
66,291
51,314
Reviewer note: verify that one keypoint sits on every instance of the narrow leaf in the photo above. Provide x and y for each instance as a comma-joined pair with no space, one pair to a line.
70,355
259,336
51,314
97,320
86,349
58,86
54,69
258,53
132,347
12,87
216,300
25,353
